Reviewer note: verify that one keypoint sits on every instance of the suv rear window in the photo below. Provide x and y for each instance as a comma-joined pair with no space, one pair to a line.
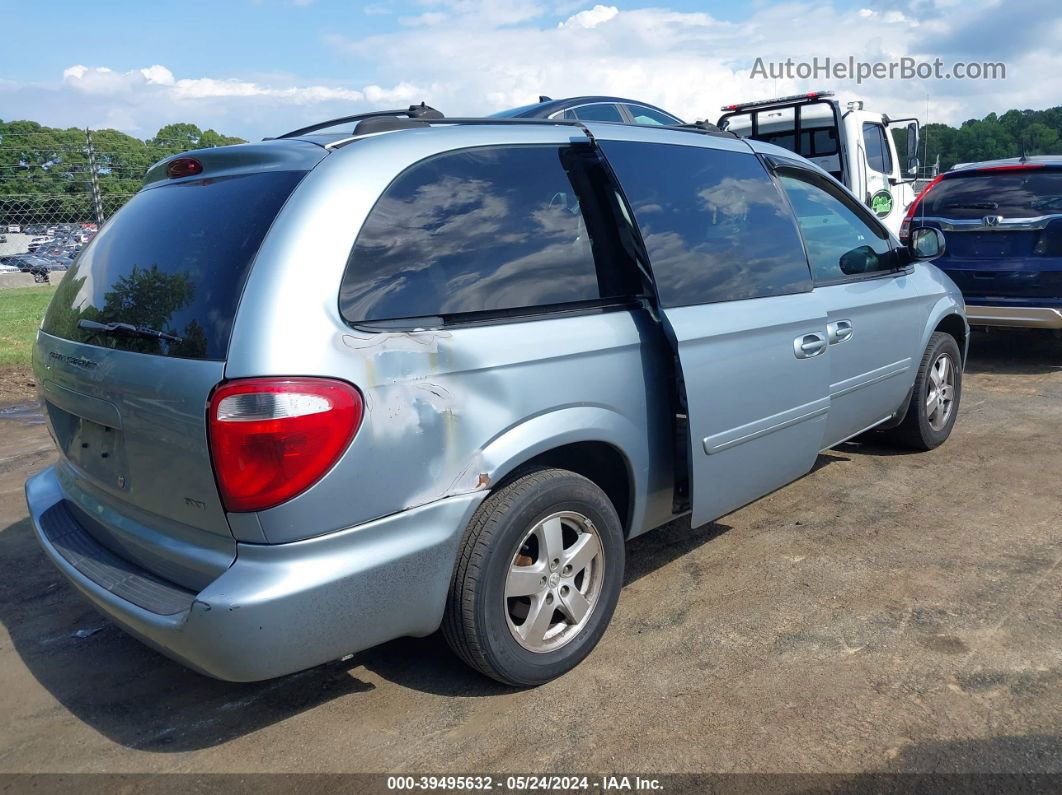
1012,194
493,229
173,259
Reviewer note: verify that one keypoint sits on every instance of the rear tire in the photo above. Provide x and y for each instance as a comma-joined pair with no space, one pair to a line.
935,399
538,577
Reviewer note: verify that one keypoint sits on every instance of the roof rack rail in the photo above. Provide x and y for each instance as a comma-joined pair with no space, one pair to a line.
700,127
420,111
706,127
703,127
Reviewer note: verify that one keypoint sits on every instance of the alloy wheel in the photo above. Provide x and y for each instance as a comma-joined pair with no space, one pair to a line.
554,581
940,393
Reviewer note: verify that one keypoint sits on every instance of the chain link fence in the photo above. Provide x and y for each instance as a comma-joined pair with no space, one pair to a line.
58,186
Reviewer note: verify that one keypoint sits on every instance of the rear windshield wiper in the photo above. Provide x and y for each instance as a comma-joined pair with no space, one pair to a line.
126,330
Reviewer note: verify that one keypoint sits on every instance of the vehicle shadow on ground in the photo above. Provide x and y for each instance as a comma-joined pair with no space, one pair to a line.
124,690
1014,351
428,665
140,699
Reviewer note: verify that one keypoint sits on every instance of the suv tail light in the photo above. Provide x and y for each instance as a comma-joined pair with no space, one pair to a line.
273,438
905,226
184,167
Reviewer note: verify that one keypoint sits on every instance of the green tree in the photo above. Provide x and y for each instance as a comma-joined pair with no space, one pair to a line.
45,174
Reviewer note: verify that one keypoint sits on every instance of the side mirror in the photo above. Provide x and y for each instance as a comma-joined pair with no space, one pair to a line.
912,148
927,243
859,260
912,140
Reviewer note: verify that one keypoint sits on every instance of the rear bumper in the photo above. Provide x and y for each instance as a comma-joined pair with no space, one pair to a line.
285,607
1020,316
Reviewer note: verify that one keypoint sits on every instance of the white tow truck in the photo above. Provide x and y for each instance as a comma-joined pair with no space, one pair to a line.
854,145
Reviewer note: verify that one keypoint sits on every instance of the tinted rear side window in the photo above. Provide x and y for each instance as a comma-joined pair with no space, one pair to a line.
813,143
715,224
1012,194
601,111
174,259
479,230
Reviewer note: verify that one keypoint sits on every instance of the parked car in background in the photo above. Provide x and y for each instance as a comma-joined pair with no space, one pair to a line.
40,267
458,422
38,242
595,108
1003,224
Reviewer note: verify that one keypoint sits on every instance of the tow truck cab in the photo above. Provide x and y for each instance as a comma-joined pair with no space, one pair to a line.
853,144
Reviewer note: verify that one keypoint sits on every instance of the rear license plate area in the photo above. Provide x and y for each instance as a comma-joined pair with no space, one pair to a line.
95,449
991,244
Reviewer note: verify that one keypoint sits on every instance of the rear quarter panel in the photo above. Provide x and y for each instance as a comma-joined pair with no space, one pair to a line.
448,411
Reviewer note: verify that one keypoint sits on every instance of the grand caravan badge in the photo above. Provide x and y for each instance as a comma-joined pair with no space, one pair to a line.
76,361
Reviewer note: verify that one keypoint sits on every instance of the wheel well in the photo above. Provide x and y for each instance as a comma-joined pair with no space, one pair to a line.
597,461
954,325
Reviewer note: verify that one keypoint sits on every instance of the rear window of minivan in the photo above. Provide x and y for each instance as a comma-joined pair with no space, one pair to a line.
173,259
1012,194
470,233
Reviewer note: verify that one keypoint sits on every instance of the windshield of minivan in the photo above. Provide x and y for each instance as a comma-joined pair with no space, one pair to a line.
173,260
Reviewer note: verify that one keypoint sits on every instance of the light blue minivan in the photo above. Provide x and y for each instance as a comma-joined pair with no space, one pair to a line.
323,391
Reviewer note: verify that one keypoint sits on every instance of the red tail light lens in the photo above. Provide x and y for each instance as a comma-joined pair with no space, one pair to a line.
273,438
905,226
184,167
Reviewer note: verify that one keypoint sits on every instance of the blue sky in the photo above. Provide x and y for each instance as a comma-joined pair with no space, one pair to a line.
251,67
238,37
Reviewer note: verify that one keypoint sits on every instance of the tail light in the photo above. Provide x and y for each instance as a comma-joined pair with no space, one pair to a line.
273,438
905,226
184,167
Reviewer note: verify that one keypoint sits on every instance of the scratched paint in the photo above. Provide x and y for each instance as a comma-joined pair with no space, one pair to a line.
417,341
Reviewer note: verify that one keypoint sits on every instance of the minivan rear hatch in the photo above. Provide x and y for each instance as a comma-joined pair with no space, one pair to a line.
134,341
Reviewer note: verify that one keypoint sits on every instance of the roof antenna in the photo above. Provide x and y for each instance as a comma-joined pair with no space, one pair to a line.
1024,157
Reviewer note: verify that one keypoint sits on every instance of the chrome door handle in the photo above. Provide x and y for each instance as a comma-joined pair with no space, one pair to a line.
839,331
807,345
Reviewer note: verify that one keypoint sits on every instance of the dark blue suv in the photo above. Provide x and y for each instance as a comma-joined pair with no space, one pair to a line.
1003,224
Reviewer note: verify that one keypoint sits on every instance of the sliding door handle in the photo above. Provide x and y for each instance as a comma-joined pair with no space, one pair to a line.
808,345
839,331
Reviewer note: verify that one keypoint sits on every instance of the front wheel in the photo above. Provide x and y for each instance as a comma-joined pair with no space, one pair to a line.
538,578
935,400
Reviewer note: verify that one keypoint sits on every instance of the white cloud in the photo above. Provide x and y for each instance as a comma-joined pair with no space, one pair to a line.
591,18
142,100
402,94
100,80
427,19
692,63
469,57
157,74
